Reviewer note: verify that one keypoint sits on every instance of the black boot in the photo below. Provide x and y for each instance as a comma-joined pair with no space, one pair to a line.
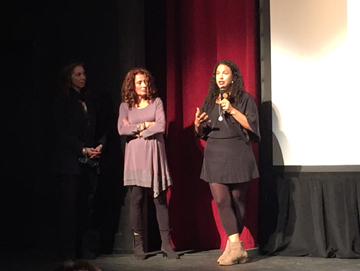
138,247
166,247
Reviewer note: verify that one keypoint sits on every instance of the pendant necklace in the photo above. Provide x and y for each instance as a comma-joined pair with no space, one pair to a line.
221,113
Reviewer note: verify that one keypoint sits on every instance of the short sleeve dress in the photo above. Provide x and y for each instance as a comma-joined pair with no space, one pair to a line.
145,162
228,155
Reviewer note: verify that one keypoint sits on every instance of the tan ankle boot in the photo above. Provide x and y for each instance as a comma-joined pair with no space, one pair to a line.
244,255
226,252
237,254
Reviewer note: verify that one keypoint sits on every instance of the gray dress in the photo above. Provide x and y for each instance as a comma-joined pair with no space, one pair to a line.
145,157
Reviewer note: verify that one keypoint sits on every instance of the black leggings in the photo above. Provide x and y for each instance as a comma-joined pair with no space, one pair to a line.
230,200
136,203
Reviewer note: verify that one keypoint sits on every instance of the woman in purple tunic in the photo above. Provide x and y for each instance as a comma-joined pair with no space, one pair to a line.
142,120
228,119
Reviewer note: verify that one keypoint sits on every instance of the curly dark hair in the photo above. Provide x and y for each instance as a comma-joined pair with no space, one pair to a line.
129,95
237,87
65,76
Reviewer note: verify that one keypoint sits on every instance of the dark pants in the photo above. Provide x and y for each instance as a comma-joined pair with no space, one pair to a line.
136,203
76,231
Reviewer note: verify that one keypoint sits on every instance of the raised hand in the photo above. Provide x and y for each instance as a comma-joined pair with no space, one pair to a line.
200,117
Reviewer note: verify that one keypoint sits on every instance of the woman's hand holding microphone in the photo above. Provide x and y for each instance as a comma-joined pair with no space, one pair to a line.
227,107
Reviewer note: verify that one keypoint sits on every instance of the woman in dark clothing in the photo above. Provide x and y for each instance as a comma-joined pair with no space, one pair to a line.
227,120
76,161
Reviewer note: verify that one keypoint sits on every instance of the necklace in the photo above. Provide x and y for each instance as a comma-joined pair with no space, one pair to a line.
221,114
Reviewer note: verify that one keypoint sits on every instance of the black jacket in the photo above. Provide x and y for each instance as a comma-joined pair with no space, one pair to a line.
75,130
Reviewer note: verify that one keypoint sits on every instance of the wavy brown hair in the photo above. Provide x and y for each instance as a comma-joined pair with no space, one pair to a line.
237,87
129,95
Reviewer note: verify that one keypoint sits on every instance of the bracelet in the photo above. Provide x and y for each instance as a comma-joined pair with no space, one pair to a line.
140,127
84,151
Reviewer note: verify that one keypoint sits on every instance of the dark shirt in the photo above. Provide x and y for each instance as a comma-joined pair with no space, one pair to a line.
229,127
75,130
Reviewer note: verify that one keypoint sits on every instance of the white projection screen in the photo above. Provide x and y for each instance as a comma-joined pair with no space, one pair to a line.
315,91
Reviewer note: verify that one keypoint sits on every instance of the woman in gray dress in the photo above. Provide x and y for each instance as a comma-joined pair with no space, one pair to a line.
227,120
142,120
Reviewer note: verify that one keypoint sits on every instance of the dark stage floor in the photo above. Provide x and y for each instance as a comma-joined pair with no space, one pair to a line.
199,261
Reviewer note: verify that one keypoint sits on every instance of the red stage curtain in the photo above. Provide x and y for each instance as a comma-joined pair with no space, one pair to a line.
200,33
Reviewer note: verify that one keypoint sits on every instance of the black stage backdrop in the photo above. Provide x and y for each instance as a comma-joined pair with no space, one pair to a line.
310,214
37,38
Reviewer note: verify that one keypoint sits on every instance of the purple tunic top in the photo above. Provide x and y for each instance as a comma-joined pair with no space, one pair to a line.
145,157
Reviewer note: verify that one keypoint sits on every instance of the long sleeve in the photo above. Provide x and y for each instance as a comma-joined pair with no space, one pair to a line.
160,122
65,127
124,114
103,139
75,130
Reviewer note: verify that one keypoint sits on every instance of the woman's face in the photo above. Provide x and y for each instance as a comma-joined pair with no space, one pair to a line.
140,85
223,76
78,78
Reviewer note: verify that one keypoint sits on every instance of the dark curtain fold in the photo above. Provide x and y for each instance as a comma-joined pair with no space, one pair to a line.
316,214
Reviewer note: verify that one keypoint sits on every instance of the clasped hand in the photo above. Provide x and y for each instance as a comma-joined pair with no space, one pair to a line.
94,152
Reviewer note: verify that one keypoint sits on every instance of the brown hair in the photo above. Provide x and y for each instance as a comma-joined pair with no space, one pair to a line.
65,76
129,95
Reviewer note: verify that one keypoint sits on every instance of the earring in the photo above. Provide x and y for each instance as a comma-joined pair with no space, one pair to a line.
232,82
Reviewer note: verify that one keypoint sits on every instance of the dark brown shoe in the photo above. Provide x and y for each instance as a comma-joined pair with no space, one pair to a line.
166,247
138,247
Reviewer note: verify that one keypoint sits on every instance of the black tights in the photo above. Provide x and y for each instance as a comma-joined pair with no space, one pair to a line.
230,200
136,203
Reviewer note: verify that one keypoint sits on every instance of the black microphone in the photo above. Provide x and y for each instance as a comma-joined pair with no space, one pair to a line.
223,93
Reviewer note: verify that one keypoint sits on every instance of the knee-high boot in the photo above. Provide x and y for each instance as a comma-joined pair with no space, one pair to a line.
166,247
138,246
